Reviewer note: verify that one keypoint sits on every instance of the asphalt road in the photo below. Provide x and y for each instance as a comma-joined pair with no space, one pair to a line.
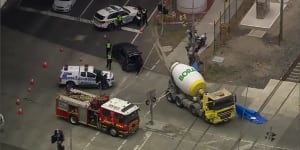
30,38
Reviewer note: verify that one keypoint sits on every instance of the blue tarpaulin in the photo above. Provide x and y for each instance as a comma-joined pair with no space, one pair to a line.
249,114
196,66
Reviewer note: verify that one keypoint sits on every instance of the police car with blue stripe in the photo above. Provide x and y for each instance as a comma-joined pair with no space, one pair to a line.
86,75
106,18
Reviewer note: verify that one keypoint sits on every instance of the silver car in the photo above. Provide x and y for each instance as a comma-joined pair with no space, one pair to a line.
63,5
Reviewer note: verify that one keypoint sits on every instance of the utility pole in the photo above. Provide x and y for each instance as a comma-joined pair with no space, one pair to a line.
191,51
281,22
150,100
162,17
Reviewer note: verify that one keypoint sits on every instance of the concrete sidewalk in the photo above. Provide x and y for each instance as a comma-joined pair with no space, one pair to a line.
205,25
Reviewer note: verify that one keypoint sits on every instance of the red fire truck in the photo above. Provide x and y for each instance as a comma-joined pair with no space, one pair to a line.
115,116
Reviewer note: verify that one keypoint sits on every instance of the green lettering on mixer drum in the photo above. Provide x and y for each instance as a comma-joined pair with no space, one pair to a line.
185,73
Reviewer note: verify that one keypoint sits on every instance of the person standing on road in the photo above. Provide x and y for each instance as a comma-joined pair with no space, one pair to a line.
108,46
108,61
144,16
104,84
119,20
139,18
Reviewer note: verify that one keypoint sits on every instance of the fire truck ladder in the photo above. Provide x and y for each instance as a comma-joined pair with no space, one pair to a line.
80,95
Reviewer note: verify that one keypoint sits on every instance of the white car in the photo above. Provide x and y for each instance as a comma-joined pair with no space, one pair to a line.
106,18
86,75
63,5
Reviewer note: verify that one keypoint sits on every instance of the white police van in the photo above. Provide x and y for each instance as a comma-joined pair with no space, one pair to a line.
86,76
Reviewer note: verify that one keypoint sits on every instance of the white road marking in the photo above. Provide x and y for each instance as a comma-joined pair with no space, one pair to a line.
123,80
87,145
130,29
136,147
52,14
92,139
119,148
153,12
126,2
112,94
155,64
135,37
86,8
137,103
244,147
147,136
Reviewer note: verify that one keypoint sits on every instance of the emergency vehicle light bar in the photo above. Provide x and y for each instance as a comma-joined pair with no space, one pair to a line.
65,67
86,67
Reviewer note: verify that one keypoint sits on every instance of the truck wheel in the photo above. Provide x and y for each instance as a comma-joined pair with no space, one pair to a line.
193,111
113,131
169,97
73,119
178,102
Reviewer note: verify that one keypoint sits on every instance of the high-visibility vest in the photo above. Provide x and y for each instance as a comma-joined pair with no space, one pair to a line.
109,56
108,45
119,18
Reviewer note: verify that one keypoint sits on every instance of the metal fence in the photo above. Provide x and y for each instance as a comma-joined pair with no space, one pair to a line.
222,23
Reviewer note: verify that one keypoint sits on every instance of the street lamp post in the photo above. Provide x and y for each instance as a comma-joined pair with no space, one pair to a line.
162,17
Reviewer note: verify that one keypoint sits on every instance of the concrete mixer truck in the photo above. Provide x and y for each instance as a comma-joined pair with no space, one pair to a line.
187,88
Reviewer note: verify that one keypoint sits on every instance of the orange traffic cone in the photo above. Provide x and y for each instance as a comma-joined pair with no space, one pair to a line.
29,89
18,102
20,111
45,64
142,29
31,81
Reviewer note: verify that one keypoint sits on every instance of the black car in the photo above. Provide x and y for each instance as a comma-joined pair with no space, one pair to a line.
128,56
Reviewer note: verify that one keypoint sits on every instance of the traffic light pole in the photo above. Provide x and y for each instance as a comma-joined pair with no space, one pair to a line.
151,112
70,138
150,100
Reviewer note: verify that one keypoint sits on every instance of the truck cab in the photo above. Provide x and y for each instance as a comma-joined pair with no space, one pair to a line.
86,75
219,106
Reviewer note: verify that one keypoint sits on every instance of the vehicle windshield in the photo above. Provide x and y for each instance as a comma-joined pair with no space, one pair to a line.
98,16
221,103
125,9
128,118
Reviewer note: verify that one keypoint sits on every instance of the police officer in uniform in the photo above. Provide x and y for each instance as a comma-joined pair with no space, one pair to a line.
108,46
144,16
108,61
139,18
119,21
